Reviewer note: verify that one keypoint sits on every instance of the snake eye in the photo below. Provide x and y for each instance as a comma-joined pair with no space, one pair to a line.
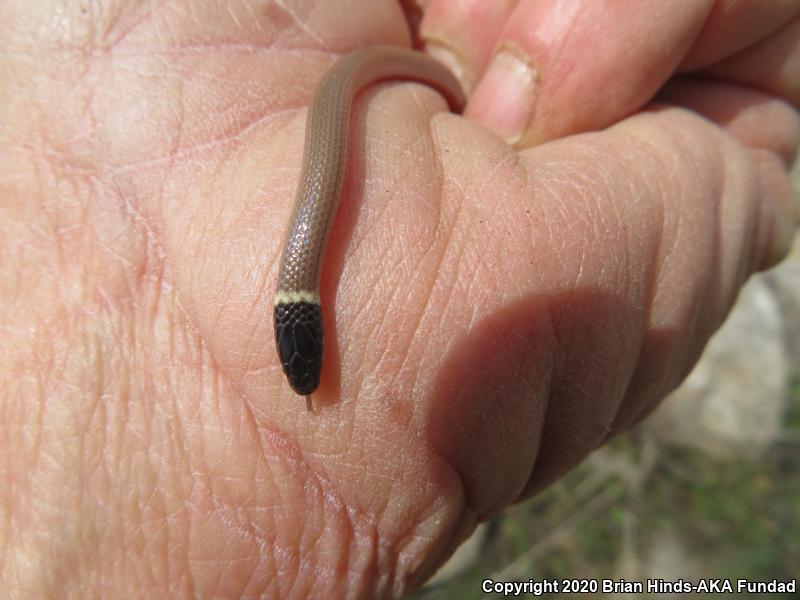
298,334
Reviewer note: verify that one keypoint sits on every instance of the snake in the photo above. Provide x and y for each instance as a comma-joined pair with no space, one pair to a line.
299,335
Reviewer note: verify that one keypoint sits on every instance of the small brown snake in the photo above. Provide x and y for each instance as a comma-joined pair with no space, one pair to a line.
298,317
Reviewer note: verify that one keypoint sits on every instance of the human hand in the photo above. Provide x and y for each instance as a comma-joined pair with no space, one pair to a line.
550,69
496,315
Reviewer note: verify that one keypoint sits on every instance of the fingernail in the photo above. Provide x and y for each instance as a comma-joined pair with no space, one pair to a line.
505,98
452,61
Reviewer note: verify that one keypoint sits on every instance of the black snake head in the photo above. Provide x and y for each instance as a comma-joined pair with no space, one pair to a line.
298,334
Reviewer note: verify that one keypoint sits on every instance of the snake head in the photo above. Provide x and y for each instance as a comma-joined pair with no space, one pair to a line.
298,334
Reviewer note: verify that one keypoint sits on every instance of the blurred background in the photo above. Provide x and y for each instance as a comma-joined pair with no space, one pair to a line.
707,487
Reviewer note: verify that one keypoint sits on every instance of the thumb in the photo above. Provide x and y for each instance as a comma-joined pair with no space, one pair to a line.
562,67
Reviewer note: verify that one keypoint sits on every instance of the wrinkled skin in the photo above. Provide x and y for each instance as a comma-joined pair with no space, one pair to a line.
495,312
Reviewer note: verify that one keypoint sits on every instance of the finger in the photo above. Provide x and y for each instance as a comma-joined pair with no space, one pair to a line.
731,27
622,251
756,119
563,67
463,34
768,127
773,65
778,212
771,131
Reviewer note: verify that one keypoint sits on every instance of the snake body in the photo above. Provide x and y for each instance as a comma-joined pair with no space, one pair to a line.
298,316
